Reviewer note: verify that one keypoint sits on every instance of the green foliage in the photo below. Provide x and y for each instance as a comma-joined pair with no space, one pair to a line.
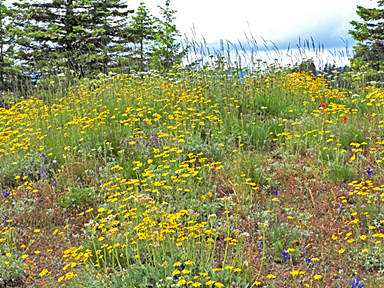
339,173
6,52
64,36
78,199
281,235
307,66
79,39
370,49
146,276
30,167
165,51
12,272
143,28
373,260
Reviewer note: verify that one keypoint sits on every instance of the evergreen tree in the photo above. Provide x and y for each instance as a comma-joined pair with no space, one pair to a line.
165,50
142,27
63,36
370,36
6,52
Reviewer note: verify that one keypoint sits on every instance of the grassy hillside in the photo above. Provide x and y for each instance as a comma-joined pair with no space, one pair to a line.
195,179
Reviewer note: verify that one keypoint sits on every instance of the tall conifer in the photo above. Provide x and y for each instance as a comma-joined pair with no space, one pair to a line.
83,36
143,27
165,52
7,72
370,36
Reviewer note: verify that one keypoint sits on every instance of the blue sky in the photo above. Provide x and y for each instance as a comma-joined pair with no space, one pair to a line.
279,21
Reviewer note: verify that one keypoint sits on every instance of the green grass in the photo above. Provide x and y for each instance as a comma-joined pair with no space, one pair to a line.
193,179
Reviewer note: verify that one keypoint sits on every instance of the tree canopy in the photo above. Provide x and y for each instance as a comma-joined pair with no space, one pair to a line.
165,51
80,35
81,38
143,27
7,45
370,36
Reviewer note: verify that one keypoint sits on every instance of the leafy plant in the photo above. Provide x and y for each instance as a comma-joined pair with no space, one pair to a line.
79,199
12,271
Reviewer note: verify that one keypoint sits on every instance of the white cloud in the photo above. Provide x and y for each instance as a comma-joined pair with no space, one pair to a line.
280,21
275,20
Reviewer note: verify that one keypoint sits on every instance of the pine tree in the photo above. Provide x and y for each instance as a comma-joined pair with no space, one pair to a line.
370,36
165,51
80,37
6,52
142,27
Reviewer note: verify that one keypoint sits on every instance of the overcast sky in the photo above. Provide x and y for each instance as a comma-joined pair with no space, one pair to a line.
280,21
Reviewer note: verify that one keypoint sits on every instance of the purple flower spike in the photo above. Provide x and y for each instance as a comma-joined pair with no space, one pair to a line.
369,171
276,193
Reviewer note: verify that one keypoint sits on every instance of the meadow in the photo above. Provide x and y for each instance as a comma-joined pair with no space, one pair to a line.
194,179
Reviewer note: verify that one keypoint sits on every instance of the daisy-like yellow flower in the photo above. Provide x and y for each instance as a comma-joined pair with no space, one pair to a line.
45,271
175,272
341,251
317,277
218,269
271,276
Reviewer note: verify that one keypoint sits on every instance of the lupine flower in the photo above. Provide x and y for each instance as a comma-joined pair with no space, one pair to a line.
4,220
286,255
369,171
356,283
276,193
